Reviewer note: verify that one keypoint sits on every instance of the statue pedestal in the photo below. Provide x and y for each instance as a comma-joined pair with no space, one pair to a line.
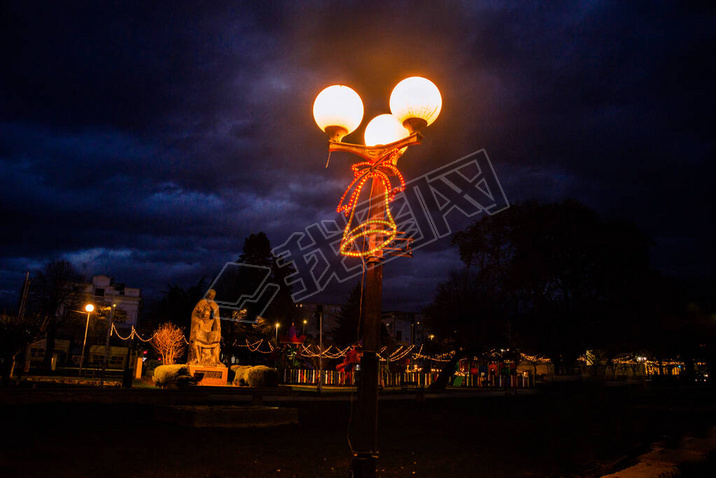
211,376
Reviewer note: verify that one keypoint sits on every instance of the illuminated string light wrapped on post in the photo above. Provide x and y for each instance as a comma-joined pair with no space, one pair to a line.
382,130
385,229
338,110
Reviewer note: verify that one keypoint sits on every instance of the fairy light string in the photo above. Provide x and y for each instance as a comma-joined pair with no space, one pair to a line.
263,346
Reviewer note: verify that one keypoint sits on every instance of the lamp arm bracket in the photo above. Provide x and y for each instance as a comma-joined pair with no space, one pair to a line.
373,153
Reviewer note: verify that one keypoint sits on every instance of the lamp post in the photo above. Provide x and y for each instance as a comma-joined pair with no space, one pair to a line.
88,308
303,332
277,326
414,103
106,343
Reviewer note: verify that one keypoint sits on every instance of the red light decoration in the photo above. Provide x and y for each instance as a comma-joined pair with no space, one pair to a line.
382,169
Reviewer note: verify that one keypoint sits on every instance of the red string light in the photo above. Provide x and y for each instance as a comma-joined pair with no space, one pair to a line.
381,170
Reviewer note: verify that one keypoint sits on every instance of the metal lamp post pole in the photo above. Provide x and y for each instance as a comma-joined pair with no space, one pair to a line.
365,433
84,342
106,344
365,437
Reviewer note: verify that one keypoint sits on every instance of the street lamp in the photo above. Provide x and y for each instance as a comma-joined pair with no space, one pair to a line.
277,326
415,103
338,110
88,308
304,327
106,342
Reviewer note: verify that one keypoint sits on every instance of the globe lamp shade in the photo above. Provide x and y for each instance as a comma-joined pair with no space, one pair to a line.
416,102
338,110
384,129
89,307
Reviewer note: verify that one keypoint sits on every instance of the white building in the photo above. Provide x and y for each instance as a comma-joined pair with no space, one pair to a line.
103,292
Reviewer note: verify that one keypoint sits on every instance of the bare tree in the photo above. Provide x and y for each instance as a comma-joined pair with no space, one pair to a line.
169,342
16,333
54,291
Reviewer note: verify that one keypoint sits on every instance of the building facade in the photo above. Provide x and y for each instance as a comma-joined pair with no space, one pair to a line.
104,292
308,312
405,328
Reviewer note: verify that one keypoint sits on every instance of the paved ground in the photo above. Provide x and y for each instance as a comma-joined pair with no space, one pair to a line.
565,430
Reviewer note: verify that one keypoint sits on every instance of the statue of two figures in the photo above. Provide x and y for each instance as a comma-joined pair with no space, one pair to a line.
205,335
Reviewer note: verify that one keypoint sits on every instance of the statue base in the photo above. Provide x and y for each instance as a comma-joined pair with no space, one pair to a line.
209,376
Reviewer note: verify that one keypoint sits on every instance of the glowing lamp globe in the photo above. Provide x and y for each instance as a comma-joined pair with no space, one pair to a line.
384,129
416,102
89,307
338,110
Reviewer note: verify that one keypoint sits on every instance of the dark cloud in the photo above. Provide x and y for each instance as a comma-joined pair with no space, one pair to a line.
147,141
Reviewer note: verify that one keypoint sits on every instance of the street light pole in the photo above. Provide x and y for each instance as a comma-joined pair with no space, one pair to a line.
88,308
365,439
414,103
106,343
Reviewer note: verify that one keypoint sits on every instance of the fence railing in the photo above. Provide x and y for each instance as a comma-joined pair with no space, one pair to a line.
405,379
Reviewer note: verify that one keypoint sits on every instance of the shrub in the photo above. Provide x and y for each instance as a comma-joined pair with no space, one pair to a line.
169,342
240,372
167,375
255,376
262,376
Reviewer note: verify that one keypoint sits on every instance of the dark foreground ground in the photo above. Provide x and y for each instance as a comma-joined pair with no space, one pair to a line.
564,430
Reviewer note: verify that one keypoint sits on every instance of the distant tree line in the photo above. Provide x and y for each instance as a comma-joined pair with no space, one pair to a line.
557,280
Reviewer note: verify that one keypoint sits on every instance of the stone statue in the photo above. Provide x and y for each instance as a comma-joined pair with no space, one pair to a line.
205,336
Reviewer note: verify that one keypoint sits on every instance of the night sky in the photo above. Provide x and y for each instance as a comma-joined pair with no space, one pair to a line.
146,140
